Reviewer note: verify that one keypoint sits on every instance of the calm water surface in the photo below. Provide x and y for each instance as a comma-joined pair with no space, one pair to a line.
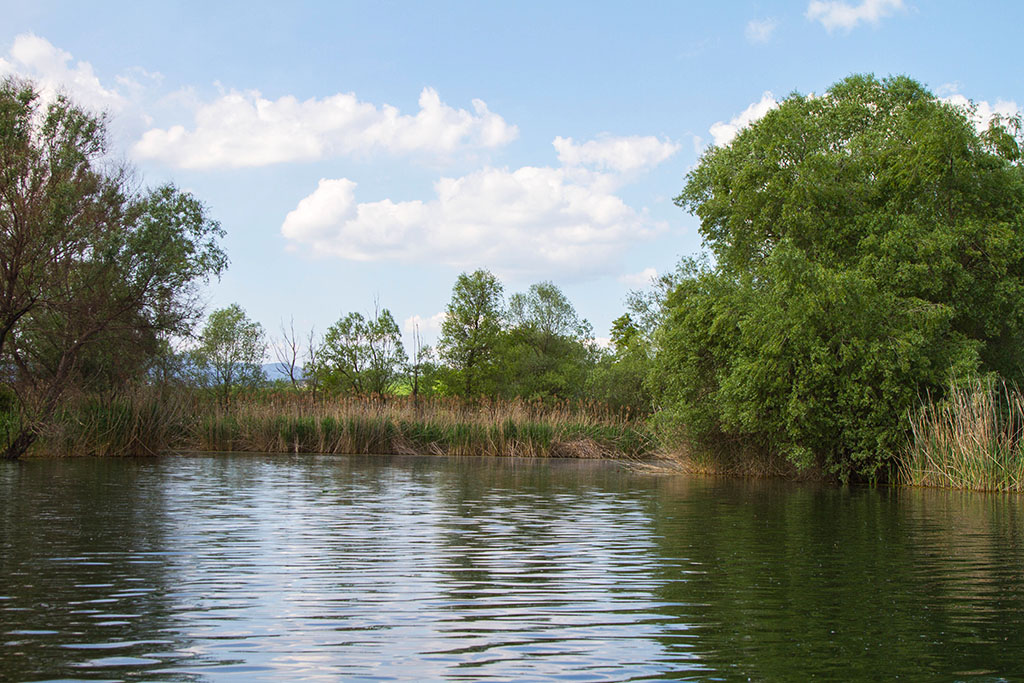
379,568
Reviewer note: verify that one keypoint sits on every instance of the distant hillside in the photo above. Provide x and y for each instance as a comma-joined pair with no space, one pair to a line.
276,371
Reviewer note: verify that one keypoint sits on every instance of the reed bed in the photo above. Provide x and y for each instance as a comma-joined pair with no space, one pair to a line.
403,425
146,421
142,421
972,439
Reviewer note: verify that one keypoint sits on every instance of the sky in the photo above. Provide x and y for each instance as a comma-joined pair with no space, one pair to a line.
364,153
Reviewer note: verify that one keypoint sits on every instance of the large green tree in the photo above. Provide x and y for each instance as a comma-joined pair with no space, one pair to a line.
868,246
471,334
91,270
549,348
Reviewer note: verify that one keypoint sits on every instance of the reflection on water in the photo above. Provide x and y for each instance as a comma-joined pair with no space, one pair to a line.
299,567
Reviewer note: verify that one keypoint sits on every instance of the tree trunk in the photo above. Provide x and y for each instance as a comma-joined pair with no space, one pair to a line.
26,437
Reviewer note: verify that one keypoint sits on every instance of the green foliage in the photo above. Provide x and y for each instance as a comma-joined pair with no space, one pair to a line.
471,335
547,348
622,378
868,246
422,371
230,352
93,274
362,356
618,380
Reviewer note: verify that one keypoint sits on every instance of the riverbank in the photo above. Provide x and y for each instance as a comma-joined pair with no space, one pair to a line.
148,422
971,438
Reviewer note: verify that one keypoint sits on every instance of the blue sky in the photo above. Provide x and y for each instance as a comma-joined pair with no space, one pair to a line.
362,151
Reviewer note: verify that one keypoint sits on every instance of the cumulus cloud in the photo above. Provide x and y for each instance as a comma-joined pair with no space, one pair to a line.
833,14
621,154
642,279
982,112
723,132
245,129
430,326
53,70
537,221
760,30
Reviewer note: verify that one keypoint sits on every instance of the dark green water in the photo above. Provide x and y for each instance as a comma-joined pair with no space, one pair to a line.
376,568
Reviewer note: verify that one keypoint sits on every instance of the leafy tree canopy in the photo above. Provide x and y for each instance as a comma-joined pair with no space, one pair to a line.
231,351
548,351
94,274
471,333
362,356
868,246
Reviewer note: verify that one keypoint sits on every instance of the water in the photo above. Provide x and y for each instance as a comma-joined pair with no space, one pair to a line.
332,568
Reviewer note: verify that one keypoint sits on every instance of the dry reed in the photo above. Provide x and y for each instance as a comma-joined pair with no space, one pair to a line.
140,421
441,426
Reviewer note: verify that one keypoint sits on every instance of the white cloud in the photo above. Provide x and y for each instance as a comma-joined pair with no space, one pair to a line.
542,222
430,326
761,30
245,129
698,145
982,112
622,154
642,279
53,70
723,132
835,14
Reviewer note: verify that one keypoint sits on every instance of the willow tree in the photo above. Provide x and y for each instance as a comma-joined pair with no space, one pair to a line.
89,267
868,247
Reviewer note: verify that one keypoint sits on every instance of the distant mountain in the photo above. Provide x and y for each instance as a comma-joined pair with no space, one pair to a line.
276,371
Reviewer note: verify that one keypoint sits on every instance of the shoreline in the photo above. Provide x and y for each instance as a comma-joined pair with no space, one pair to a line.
967,442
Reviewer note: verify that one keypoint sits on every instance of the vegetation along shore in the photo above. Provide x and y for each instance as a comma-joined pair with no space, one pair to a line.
858,315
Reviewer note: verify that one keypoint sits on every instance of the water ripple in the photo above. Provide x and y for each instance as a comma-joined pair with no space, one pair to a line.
372,568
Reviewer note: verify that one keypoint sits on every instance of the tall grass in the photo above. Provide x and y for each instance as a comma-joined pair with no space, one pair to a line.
971,439
140,421
442,426
147,420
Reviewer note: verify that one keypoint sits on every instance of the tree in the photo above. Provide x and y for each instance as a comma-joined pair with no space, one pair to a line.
93,274
230,352
287,351
869,247
471,333
422,368
363,356
550,348
313,357
618,378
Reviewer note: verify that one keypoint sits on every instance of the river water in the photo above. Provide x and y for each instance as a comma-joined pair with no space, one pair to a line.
248,568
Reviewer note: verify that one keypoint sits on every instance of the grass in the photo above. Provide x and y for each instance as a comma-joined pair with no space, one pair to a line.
147,421
972,439
439,426
143,421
